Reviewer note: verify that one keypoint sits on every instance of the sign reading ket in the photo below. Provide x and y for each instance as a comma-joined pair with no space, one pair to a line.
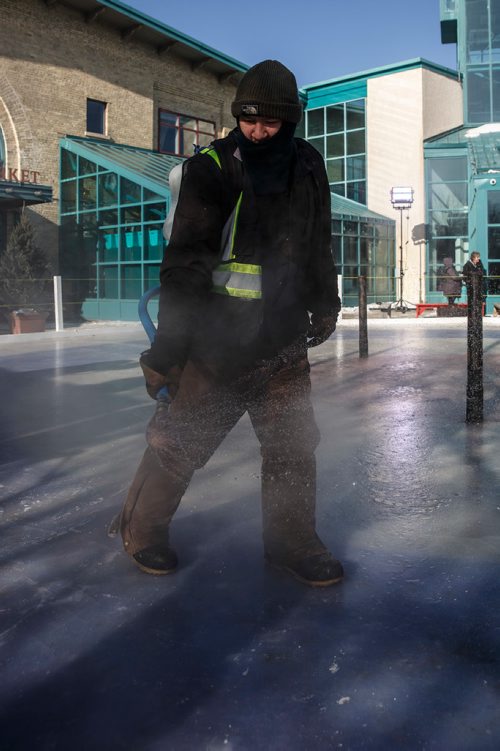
15,175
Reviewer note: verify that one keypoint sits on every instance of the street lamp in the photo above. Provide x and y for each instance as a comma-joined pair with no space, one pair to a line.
401,199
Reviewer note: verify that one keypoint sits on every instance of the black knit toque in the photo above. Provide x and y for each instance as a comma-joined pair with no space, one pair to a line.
268,89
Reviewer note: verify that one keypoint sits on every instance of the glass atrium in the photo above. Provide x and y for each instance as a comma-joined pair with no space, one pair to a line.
363,245
114,200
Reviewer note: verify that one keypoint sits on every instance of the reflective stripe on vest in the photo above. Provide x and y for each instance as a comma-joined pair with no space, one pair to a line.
242,280
238,280
229,232
210,151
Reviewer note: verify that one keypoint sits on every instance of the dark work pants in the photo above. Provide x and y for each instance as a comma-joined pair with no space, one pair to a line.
183,436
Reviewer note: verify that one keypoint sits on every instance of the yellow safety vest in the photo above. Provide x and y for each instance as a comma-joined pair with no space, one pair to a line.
230,277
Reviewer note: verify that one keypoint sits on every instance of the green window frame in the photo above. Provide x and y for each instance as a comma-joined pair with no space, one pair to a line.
364,247
480,53
447,213
338,132
111,234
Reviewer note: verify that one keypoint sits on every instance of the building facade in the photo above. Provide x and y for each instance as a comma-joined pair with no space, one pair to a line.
463,164
97,102
371,128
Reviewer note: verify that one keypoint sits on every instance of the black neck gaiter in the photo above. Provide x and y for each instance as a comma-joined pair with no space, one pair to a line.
269,162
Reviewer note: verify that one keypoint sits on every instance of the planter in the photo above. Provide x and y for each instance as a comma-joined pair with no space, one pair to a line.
27,321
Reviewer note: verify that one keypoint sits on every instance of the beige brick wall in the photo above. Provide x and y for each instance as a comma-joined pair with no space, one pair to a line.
403,109
51,60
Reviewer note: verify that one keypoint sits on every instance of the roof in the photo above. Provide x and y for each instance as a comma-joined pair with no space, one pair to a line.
484,148
151,170
143,166
15,193
450,138
482,144
385,70
132,24
348,209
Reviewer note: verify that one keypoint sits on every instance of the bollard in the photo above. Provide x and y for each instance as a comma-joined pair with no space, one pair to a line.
474,409
339,285
363,318
58,306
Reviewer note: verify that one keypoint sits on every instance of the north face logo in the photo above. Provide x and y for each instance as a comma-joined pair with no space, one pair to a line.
250,109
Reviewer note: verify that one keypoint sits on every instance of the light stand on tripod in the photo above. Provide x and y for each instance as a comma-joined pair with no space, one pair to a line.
401,199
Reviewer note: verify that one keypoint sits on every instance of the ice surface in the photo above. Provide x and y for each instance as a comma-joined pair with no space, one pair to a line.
227,654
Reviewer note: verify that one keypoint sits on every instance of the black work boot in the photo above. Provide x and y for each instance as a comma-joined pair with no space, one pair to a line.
315,570
156,560
289,525
145,518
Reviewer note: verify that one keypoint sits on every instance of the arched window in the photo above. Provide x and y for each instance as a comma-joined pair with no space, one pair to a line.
3,154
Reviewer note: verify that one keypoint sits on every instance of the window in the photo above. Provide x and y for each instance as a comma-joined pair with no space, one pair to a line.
96,116
338,132
482,61
494,241
447,212
178,134
2,150
364,246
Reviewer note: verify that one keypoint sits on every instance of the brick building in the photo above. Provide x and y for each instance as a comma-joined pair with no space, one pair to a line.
97,101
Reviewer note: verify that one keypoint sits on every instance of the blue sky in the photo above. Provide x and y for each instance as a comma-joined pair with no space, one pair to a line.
317,39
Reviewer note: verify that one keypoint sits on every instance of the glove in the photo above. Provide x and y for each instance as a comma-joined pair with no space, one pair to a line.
320,329
156,381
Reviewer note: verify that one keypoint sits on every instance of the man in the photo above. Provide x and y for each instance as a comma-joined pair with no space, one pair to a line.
247,283
471,267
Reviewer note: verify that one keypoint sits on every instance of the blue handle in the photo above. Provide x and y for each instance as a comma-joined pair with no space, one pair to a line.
144,316
149,326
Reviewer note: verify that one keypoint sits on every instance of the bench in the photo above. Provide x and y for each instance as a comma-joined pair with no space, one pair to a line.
421,306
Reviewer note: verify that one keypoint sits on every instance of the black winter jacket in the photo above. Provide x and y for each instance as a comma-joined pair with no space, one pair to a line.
469,270
289,235
449,282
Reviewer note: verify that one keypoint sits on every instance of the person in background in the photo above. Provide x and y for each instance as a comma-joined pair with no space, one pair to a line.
248,283
474,266
449,282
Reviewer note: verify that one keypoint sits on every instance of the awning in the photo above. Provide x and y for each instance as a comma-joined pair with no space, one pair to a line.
14,194
345,208
484,148
143,166
456,138
151,170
